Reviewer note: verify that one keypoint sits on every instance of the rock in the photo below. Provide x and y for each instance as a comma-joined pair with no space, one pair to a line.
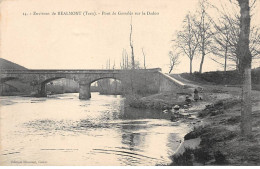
176,107
165,111
185,106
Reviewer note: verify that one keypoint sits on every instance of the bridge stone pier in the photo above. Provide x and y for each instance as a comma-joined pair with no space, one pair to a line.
84,90
138,81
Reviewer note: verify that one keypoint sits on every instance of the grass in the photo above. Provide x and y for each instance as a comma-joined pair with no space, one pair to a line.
218,107
221,141
161,101
230,78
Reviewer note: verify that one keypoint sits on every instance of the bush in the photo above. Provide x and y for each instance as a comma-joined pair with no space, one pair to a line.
234,120
202,155
194,134
189,156
220,158
185,159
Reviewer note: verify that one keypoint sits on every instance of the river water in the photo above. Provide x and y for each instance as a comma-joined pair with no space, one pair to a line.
63,130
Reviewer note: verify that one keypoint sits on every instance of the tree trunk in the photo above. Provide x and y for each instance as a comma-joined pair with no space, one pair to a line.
190,66
132,47
226,51
202,61
225,64
144,58
246,119
245,65
171,67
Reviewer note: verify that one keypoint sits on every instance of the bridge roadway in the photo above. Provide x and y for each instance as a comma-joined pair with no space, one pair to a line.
144,79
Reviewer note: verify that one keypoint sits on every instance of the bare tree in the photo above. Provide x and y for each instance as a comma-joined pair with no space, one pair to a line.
131,45
144,58
225,41
226,36
186,40
145,83
254,43
124,62
174,60
203,32
221,47
108,64
114,65
245,65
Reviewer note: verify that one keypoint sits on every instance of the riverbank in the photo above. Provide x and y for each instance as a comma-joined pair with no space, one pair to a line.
219,132
160,101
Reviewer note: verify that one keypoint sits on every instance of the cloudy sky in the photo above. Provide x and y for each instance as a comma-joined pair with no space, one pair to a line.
87,42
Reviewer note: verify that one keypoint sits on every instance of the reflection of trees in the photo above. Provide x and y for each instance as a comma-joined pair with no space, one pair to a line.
62,86
131,135
131,139
133,113
109,86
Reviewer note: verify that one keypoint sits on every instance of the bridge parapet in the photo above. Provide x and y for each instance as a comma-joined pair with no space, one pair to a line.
168,83
72,71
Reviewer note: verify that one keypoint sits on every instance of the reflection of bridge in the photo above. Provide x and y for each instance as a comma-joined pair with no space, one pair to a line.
141,79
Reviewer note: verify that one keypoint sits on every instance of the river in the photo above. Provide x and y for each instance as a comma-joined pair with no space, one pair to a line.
63,130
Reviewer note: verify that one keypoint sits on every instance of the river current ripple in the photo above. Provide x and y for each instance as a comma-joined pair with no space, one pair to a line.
63,130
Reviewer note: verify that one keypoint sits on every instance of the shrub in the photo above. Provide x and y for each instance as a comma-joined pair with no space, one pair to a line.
185,159
194,134
234,120
202,155
220,158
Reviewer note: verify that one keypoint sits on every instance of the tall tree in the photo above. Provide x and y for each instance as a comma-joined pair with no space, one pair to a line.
144,58
186,40
203,32
245,66
124,62
226,36
224,44
221,46
131,45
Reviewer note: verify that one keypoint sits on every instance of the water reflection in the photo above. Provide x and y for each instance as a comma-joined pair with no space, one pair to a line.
100,131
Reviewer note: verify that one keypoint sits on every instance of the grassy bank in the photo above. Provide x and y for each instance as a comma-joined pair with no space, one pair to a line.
221,142
230,78
161,101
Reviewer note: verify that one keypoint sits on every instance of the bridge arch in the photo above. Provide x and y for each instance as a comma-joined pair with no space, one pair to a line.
107,85
51,79
44,88
101,78
85,85
7,87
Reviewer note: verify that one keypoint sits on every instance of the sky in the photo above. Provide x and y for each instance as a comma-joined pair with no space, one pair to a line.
88,42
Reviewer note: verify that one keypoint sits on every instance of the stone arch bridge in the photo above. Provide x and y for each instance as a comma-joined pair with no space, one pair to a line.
139,79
